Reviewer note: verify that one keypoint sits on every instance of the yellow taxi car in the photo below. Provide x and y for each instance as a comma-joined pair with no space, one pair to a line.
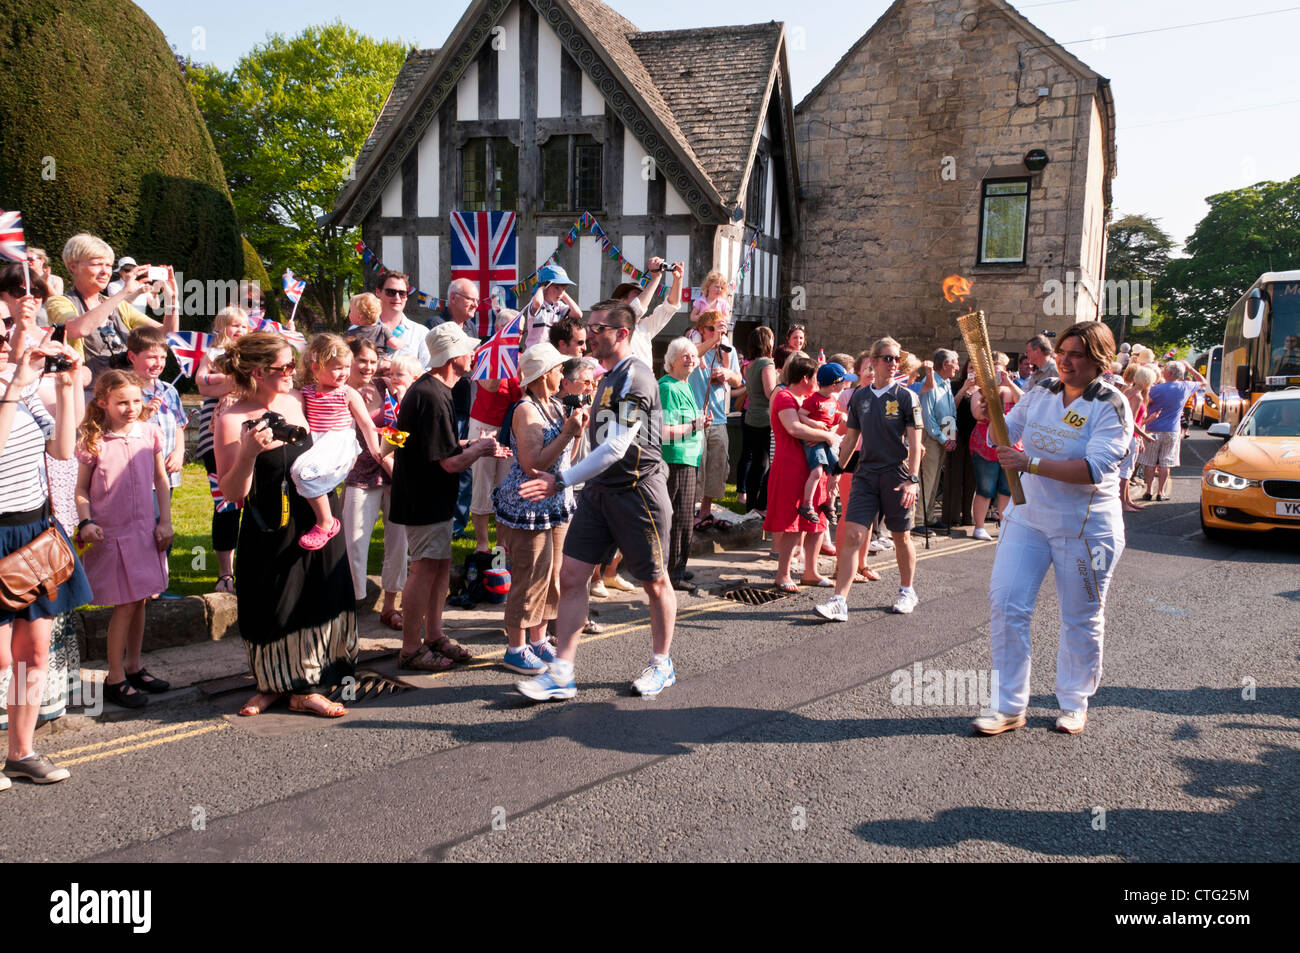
1253,482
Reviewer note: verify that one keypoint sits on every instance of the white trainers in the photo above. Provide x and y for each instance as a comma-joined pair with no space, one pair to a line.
983,534
1072,722
906,602
618,582
654,679
597,590
876,546
835,609
995,722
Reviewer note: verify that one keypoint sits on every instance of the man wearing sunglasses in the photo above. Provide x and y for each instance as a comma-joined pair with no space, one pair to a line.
405,335
888,417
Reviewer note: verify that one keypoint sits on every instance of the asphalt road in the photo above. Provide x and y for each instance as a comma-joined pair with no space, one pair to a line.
784,739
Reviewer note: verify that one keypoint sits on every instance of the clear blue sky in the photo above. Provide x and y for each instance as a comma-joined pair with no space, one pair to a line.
1199,110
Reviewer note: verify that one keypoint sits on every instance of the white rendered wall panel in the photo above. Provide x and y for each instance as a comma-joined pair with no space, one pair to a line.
390,204
548,72
593,104
467,94
426,186
508,65
635,187
390,252
427,278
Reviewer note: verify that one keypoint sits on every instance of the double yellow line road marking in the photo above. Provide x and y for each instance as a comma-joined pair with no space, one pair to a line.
191,729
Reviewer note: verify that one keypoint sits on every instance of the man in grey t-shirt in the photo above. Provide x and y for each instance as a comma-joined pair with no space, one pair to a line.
624,506
1039,352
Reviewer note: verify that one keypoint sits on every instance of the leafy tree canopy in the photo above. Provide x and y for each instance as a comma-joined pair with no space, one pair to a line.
288,122
1246,233
1137,250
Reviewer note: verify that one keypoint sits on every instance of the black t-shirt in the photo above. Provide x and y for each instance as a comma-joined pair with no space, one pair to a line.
883,421
423,492
627,394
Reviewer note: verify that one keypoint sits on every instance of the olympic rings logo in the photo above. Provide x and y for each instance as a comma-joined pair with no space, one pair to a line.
1047,443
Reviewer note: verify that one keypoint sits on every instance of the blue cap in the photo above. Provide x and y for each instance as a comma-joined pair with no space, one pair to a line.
833,373
553,275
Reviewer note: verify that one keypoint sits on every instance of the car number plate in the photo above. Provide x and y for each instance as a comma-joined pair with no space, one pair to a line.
1289,508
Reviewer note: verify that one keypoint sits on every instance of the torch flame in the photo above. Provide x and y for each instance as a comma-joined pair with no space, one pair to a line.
956,288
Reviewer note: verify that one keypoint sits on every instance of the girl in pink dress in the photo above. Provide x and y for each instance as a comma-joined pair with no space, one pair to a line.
335,411
715,295
120,477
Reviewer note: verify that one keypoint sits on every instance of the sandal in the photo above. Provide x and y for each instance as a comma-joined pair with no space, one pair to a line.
592,628
392,619
146,682
260,703
787,587
806,512
866,574
707,522
121,693
225,583
424,659
449,647
316,704
821,582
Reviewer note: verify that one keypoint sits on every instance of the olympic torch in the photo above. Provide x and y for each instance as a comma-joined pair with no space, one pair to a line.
976,335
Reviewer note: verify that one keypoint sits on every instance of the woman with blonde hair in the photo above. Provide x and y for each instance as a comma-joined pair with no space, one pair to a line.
297,612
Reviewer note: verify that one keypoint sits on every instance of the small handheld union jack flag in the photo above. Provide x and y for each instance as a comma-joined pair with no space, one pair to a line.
293,287
298,342
498,356
189,348
219,500
13,246
390,410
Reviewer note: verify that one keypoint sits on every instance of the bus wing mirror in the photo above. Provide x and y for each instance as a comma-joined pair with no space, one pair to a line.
1243,380
1256,308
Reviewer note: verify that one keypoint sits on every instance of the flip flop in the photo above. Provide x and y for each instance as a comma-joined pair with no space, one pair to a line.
821,582
788,587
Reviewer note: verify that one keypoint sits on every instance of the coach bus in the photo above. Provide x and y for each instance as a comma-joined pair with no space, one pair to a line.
1204,408
1261,343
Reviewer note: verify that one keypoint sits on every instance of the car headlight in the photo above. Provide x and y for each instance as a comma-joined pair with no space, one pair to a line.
1223,480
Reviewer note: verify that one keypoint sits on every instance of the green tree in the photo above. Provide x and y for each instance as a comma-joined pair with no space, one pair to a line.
1137,250
1246,233
288,122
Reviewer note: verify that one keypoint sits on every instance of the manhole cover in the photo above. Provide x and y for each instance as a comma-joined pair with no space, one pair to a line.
369,685
754,595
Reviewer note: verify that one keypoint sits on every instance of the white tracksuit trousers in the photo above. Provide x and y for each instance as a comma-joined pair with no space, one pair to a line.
1084,566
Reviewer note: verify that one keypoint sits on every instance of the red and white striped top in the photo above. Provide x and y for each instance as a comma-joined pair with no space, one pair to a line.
326,412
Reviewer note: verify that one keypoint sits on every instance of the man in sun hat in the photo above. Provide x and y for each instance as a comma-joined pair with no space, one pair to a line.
426,474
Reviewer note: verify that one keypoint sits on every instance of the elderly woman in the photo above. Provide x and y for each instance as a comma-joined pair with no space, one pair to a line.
98,323
532,531
27,432
1071,520
788,474
297,613
682,442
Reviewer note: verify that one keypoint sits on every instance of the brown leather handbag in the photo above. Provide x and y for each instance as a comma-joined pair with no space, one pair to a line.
35,570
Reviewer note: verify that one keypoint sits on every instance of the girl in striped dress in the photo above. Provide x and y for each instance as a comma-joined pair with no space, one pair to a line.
335,411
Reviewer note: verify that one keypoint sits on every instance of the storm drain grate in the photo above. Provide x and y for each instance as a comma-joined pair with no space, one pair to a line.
754,595
369,685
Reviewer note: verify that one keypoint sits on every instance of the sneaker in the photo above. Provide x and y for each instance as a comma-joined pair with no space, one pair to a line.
618,582
1072,722
835,609
38,769
995,722
887,542
5,783
524,661
597,590
876,546
655,679
545,688
983,534
544,650
906,602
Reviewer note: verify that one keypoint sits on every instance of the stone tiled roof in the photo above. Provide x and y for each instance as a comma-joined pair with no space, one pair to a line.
612,31
716,82
408,78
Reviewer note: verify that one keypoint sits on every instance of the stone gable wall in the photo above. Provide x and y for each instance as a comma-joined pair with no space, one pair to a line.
882,227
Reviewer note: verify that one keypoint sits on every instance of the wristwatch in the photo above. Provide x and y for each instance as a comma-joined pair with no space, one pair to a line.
559,481
913,478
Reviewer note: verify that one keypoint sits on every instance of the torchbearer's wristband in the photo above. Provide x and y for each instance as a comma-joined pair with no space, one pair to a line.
1033,464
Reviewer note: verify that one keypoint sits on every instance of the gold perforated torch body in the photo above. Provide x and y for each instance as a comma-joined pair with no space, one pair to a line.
976,335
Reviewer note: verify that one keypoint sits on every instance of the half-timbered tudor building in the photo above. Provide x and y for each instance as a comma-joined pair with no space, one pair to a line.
680,143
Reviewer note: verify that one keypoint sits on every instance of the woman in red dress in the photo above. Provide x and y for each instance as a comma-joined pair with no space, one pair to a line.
788,474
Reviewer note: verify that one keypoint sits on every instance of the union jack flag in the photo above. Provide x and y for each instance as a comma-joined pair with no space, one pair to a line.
13,246
293,287
219,500
293,337
189,347
390,410
484,249
498,356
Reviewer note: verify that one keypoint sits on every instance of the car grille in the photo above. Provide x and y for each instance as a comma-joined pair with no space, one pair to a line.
1282,489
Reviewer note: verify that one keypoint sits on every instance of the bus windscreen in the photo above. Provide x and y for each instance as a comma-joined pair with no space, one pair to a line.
1284,359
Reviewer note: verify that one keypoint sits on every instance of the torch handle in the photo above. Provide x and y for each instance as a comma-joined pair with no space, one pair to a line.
998,427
